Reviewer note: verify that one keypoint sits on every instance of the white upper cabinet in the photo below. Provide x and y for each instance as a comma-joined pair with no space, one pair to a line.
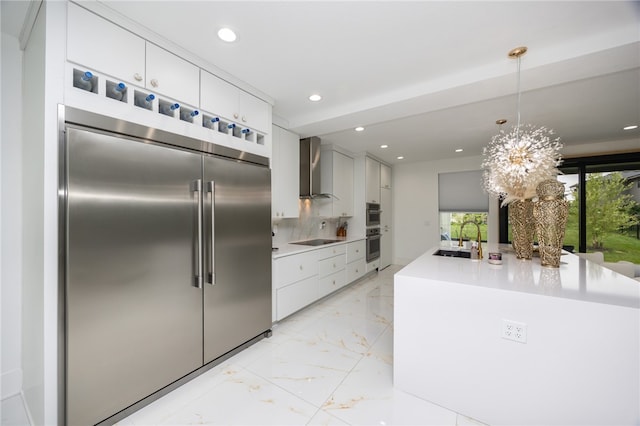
285,170
105,47
372,180
100,45
172,76
219,97
385,176
337,179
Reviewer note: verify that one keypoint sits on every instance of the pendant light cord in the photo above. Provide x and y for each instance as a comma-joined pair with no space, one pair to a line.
518,105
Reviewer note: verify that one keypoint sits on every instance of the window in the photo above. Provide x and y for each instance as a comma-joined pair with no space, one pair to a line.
604,206
461,199
451,224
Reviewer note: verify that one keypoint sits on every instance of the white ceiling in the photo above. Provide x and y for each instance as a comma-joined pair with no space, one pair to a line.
423,77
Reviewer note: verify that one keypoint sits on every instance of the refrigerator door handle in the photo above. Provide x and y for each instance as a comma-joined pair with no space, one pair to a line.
211,279
197,188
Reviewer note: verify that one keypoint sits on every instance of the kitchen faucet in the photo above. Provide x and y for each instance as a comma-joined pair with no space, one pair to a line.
479,236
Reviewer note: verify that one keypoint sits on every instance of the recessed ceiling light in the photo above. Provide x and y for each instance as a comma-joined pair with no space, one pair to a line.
400,157
630,127
227,34
459,150
384,146
315,98
359,129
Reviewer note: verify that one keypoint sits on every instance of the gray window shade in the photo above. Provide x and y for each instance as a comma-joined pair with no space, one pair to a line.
462,192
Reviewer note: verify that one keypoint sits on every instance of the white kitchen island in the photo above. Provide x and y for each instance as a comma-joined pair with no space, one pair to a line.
580,363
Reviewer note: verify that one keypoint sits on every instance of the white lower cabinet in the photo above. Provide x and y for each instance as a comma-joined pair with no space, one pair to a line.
301,279
372,266
296,296
356,265
331,283
331,274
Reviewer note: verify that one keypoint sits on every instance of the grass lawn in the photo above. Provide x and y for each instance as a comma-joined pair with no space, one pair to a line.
617,246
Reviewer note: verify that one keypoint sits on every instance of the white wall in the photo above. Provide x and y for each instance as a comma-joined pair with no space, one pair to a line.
43,88
416,221
11,200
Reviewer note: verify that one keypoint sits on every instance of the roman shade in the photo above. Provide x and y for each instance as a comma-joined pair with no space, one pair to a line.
462,192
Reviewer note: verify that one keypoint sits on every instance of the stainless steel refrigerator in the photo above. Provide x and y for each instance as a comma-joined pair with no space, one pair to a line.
165,260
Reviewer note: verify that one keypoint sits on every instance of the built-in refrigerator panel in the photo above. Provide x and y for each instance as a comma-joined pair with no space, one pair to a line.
237,288
133,313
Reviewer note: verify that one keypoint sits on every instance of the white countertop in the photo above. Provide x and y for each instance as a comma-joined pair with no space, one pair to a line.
288,249
576,278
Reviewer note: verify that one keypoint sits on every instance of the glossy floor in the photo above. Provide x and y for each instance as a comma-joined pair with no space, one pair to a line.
330,364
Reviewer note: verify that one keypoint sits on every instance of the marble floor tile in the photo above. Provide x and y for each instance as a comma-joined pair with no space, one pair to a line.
306,367
244,398
328,364
13,412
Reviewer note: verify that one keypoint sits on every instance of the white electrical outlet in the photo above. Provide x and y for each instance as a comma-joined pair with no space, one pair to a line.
516,331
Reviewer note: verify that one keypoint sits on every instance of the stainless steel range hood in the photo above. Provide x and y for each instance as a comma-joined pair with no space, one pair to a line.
310,168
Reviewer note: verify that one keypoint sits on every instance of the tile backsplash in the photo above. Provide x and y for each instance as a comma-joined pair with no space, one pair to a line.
308,225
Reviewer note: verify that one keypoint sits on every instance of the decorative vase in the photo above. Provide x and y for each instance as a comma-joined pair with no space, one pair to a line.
550,214
522,228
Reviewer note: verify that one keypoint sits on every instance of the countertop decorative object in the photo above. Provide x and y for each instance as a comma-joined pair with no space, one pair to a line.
550,216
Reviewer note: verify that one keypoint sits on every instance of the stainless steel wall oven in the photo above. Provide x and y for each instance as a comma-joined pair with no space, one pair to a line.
373,244
373,214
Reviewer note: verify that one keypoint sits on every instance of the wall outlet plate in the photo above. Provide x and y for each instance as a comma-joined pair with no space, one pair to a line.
513,330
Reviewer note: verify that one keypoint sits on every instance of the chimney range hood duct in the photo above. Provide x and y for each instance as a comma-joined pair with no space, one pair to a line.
310,168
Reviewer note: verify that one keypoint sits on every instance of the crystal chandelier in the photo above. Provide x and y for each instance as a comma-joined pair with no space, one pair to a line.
517,160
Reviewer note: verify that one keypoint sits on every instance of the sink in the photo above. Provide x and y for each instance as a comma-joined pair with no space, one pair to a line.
453,253
316,242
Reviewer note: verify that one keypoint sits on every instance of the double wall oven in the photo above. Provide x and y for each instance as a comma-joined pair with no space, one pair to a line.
373,231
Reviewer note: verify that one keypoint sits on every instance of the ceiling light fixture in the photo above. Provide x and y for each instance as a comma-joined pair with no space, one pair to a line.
384,146
315,97
359,129
400,157
630,127
227,34
459,150
516,161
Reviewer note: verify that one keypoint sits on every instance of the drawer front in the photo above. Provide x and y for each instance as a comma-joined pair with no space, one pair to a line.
356,250
356,269
289,269
330,265
371,266
296,296
335,250
331,283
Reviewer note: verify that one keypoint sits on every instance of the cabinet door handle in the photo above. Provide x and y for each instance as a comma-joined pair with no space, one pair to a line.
235,115
197,189
301,268
137,77
154,82
212,258
244,119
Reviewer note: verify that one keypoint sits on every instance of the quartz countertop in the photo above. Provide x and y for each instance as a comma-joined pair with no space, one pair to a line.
288,249
576,278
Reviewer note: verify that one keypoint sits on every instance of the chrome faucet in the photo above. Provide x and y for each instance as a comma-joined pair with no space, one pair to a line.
479,236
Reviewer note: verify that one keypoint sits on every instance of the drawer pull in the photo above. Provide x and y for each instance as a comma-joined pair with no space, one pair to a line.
137,77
